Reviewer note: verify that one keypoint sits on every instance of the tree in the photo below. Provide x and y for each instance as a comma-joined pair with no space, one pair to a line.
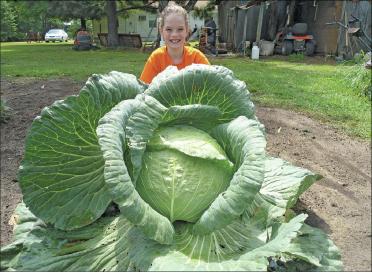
112,24
73,9
205,12
34,16
19,17
8,21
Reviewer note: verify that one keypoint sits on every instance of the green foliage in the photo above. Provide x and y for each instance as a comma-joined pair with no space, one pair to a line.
296,57
68,10
357,76
31,16
8,21
206,11
5,111
134,6
20,17
76,25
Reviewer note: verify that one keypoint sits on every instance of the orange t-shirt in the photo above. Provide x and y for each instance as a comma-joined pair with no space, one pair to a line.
159,60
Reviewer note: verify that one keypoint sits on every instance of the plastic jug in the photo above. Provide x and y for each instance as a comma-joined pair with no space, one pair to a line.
255,52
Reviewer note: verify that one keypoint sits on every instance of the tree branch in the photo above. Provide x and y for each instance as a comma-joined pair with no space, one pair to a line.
148,6
190,5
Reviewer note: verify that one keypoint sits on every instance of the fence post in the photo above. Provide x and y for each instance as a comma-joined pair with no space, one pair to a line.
259,26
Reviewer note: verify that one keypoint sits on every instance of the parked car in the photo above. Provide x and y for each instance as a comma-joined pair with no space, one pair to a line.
56,35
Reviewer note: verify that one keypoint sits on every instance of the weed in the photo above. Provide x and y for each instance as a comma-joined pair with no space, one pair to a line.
357,76
5,111
296,57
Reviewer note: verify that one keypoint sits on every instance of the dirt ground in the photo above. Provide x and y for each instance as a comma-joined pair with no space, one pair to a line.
340,203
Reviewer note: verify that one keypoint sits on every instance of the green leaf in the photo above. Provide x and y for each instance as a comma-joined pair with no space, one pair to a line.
61,176
25,223
140,128
282,185
179,186
189,141
101,246
315,248
205,85
184,171
113,244
197,253
112,139
228,242
245,144
191,115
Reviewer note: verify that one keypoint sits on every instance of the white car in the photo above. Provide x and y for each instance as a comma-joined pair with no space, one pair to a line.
56,35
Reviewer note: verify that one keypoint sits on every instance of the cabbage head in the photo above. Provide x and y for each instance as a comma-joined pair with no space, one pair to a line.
170,176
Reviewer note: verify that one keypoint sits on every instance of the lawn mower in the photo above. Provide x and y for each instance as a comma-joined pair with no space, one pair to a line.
295,39
84,41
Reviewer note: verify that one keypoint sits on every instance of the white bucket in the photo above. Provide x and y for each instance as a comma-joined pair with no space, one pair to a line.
266,48
255,53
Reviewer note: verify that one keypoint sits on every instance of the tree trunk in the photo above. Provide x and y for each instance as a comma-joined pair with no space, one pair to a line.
273,21
190,5
112,24
83,23
45,25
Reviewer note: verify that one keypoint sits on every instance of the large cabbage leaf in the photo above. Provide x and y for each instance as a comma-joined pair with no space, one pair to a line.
61,175
101,246
282,185
203,85
113,244
113,141
245,144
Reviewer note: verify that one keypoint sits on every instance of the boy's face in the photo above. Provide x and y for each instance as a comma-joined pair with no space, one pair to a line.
174,31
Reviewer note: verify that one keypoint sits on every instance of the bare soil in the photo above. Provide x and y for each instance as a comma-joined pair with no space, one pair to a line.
340,203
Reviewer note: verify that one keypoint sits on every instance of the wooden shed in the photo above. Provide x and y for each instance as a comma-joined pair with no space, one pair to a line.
241,21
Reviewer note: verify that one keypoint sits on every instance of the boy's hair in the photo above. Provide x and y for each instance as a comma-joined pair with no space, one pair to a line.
171,9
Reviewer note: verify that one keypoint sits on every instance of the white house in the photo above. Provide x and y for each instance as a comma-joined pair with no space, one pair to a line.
144,23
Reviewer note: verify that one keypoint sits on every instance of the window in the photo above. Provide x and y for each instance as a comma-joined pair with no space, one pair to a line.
142,18
152,23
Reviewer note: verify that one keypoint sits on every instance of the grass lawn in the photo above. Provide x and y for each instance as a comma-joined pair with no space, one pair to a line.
318,90
45,60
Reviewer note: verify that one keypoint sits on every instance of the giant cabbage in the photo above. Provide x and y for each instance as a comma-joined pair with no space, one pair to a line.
160,177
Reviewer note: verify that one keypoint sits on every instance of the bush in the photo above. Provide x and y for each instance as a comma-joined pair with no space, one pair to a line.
357,75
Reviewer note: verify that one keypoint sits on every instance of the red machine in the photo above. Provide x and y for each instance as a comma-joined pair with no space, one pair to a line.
296,40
